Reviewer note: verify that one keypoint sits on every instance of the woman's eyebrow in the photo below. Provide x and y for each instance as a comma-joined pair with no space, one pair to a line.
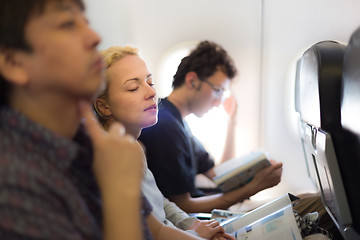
131,79
138,79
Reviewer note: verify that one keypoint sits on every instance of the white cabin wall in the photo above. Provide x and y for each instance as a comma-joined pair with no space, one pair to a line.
262,85
112,19
290,27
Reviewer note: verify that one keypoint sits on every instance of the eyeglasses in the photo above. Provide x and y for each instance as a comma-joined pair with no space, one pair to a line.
219,91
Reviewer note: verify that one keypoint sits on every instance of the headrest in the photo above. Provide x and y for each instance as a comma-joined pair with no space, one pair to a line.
319,84
350,109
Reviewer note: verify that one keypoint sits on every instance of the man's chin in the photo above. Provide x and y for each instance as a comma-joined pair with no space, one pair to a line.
200,115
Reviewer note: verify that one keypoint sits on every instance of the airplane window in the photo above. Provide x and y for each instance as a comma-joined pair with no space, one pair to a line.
211,128
291,116
168,64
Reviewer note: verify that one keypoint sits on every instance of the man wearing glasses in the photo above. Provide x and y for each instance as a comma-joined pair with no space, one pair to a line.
174,155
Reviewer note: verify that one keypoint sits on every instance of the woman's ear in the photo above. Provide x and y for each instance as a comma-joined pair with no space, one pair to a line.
12,66
103,107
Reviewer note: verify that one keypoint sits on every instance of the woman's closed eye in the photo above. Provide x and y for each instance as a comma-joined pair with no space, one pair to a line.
133,89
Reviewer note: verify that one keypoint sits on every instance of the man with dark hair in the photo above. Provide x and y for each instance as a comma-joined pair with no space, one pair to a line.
205,60
14,16
49,72
174,155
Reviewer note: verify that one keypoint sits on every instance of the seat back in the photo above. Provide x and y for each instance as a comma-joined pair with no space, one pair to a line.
350,108
350,120
319,105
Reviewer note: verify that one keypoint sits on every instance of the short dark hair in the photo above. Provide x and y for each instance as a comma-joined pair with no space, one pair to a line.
205,60
14,14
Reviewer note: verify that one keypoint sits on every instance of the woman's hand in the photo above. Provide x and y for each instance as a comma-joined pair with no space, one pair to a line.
210,229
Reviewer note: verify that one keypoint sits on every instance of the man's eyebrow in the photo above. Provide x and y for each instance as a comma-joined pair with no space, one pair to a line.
62,6
148,76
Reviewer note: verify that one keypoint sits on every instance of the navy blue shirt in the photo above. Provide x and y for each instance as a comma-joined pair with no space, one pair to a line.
174,155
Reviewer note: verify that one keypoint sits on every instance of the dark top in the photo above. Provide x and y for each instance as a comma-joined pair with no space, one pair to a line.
174,155
82,175
38,198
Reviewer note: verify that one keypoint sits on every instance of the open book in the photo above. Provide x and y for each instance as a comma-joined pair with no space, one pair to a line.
274,220
236,172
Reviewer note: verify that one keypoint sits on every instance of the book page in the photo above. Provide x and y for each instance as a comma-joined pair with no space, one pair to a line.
238,162
280,225
274,220
258,213
241,169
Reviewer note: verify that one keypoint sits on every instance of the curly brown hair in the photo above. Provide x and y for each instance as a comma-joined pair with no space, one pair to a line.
205,60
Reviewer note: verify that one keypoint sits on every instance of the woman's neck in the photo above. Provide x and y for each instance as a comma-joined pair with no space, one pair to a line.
133,131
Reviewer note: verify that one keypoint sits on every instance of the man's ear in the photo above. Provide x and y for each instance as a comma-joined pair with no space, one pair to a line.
191,80
12,67
103,107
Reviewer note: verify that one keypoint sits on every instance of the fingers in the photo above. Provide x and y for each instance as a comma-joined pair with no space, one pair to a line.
213,223
230,106
270,170
273,162
277,166
216,237
212,227
93,127
95,130
228,236
275,170
215,227
116,129
223,236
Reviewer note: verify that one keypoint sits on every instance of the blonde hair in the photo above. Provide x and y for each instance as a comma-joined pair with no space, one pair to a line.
110,56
